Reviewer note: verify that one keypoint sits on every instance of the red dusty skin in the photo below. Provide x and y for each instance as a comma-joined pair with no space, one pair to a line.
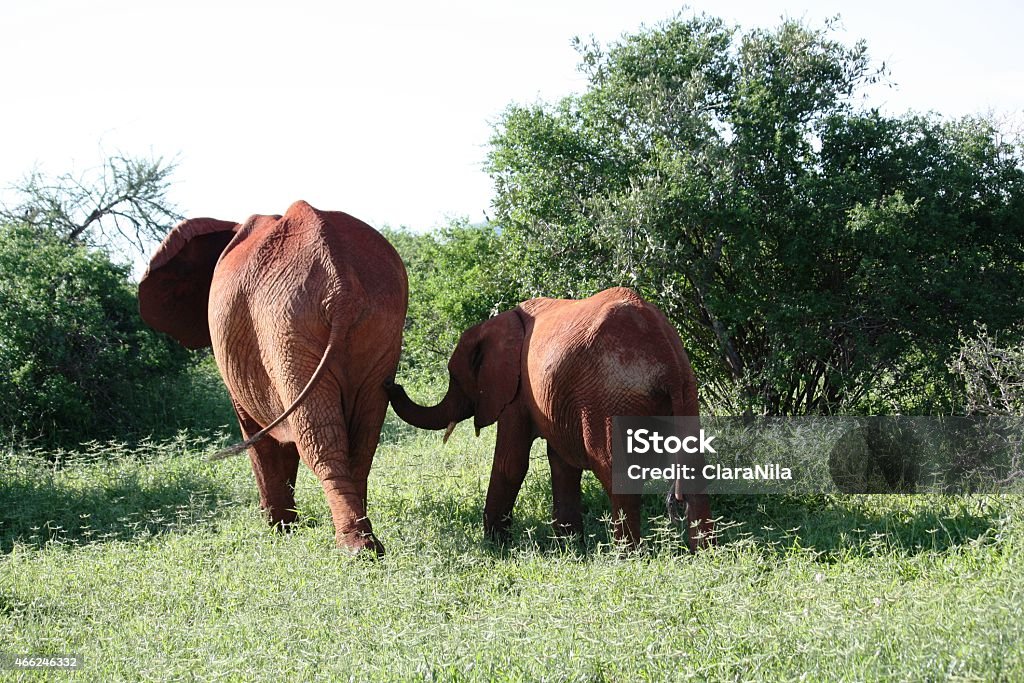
304,313
561,369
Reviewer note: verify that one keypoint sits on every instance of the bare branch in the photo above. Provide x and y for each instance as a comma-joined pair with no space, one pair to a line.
121,205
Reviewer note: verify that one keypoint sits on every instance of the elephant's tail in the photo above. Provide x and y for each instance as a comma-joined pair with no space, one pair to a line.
332,343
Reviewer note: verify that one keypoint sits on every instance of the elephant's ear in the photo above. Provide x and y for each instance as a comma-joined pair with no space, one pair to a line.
175,291
497,361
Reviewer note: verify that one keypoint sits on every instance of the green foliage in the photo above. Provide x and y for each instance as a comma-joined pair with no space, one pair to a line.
455,281
817,256
76,361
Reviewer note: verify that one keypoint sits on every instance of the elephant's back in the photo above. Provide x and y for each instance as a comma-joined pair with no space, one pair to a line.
294,278
308,257
643,363
610,354
373,259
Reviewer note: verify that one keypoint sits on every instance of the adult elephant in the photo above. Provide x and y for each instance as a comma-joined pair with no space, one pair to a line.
304,312
561,369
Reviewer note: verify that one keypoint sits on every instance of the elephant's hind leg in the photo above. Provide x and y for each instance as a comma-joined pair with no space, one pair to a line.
275,466
323,442
364,432
625,510
597,440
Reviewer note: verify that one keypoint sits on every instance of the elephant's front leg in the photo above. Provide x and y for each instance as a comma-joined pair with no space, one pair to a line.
511,462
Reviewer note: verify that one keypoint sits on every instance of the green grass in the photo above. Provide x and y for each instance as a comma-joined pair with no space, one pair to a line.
153,564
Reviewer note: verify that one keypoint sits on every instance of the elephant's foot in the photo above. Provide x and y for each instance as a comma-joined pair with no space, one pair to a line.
360,543
567,519
626,549
567,537
566,529
280,515
628,543
353,532
701,534
498,529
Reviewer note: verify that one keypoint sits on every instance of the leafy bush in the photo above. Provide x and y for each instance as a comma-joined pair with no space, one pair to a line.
76,360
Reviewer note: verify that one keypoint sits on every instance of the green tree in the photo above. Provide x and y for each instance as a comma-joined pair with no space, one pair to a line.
456,280
991,375
76,361
816,255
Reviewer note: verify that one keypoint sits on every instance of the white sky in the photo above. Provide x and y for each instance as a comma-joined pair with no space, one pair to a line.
381,109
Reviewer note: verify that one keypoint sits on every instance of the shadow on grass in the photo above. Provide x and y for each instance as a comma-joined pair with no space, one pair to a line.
844,526
41,510
460,520
830,527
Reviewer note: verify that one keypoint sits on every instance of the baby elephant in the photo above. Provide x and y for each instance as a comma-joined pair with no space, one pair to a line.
561,369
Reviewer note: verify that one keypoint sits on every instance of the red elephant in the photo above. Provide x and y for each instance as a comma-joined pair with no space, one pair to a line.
560,369
305,313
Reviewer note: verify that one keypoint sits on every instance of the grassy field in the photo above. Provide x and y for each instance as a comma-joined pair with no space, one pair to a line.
153,564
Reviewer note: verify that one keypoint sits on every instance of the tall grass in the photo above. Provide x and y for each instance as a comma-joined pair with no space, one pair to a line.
154,564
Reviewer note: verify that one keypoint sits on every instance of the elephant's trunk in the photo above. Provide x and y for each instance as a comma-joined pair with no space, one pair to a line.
445,414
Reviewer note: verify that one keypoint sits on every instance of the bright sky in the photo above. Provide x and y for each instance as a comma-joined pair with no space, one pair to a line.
384,109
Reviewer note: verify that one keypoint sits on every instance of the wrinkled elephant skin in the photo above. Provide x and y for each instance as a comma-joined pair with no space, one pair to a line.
304,313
